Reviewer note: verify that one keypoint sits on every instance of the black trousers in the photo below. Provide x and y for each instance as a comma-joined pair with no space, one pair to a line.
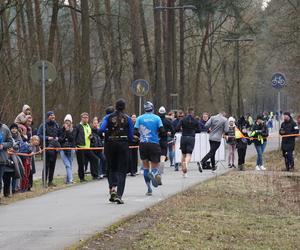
117,153
214,145
133,160
7,179
241,155
288,158
51,156
82,157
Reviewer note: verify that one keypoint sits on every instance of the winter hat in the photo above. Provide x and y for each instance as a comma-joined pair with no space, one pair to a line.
148,107
109,110
14,125
50,113
259,117
231,119
120,105
68,117
287,113
162,110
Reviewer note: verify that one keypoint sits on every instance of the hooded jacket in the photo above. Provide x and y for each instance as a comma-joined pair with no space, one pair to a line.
7,142
21,118
288,128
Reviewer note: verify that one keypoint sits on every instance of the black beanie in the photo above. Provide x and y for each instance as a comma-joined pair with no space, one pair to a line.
120,105
14,125
287,113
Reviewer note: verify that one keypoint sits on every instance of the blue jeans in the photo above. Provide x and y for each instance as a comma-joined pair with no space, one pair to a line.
68,162
260,149
171,153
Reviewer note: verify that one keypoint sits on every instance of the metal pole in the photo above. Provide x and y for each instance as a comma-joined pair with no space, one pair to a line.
279,115
140,105
238,79
44,123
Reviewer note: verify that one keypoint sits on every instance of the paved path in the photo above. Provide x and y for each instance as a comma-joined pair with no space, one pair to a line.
61,218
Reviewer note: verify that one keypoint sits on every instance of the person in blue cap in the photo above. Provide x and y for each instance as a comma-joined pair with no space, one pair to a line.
148,126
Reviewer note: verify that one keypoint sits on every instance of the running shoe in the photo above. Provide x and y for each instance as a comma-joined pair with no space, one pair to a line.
153,179
113,196
118,200
158,179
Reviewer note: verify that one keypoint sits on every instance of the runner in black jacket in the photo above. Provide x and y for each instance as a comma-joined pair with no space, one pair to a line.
190,126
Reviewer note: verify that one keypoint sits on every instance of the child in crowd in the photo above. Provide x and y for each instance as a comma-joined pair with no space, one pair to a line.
231,141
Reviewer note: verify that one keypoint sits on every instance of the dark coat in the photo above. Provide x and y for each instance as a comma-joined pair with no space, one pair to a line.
258,130
168,127
67,138
79,135
288,128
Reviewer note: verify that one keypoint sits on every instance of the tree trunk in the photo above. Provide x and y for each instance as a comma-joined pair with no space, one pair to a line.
181,57
158,89
138,69
39,29
53,28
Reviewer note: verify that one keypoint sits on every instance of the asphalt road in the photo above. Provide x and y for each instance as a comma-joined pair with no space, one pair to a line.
61,218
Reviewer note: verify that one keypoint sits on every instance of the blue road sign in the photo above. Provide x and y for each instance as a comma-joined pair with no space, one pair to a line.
278,80
140,87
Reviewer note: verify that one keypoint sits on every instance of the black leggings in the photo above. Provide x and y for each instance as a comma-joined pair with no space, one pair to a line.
214,145
242,155
116,153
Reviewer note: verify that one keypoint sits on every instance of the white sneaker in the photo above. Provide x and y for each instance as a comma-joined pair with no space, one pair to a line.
262,168
185,175
257,168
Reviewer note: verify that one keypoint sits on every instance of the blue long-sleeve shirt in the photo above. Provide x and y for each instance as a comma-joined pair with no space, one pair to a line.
104,124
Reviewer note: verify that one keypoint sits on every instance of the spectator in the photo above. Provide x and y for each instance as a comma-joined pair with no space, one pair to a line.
260,134
83,140
67,140
204,119
231,141
51,136
6,142
22,117
241,144
288,127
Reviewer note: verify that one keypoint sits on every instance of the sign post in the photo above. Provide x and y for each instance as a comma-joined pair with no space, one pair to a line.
279,82
140,88
43,72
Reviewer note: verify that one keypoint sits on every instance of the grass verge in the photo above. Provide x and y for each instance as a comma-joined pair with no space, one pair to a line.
240,210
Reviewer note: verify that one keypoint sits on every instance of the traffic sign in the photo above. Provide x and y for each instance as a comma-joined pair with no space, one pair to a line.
140,87
49,69
278,80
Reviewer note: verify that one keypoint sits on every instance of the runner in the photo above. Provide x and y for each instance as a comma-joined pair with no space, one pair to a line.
163,141
118,130
190,126
148,126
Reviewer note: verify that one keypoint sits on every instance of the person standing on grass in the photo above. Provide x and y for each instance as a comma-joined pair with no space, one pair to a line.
218,126
231,141
242,142
149,126
118,129
259,135
83,141
52,133
189,127
288,127
67,140
6,142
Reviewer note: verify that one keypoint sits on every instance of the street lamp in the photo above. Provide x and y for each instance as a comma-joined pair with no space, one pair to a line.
237,42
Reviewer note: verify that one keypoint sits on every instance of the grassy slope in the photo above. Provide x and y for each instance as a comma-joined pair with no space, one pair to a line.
240,210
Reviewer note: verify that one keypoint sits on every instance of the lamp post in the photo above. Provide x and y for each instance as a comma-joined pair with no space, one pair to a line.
237,44
182,8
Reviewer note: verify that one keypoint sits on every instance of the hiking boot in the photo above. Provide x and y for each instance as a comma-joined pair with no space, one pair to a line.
241,167
113,196
153,179
118,200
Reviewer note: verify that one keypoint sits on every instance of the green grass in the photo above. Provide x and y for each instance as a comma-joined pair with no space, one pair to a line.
240,210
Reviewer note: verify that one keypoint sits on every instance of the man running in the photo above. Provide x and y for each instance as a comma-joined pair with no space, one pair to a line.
163,141
148,126
118,129
189,126
218,126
